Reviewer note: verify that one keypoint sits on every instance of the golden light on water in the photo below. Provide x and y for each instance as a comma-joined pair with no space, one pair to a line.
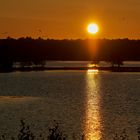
92,128
92,28
93,71
91,65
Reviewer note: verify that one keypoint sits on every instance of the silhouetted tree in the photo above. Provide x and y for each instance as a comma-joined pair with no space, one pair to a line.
28,51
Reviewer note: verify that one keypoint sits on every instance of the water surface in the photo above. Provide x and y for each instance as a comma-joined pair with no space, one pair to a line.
96,104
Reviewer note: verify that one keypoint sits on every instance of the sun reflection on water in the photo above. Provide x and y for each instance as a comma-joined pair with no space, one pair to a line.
92,128
92,71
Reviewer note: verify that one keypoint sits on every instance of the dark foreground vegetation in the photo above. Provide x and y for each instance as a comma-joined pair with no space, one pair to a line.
55,133
27,52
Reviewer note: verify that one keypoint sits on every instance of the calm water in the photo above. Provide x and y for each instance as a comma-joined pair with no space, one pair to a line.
96,104
88,63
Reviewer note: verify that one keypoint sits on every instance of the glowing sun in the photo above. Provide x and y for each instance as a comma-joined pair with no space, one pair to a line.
92,28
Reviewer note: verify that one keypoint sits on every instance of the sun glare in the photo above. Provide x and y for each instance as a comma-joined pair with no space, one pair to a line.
92,28
93,70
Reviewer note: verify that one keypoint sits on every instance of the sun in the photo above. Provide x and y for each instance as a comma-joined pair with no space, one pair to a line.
92,28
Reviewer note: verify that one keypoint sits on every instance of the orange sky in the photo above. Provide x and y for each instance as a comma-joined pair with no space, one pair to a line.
61,19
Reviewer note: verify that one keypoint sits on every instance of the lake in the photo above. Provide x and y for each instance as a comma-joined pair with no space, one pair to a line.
98,105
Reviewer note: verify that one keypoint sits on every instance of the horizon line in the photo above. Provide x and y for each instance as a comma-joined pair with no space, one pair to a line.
35,38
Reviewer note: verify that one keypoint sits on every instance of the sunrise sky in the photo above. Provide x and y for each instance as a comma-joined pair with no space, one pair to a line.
68,19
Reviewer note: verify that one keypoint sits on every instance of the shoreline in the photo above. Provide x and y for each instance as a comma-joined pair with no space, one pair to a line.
111,69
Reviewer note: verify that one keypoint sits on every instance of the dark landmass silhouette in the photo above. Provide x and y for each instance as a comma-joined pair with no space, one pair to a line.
37,52
55,132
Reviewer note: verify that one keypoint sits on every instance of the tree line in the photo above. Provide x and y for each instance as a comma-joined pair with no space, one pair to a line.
28,51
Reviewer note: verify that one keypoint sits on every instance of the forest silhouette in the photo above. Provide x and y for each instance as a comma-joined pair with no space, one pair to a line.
28,51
